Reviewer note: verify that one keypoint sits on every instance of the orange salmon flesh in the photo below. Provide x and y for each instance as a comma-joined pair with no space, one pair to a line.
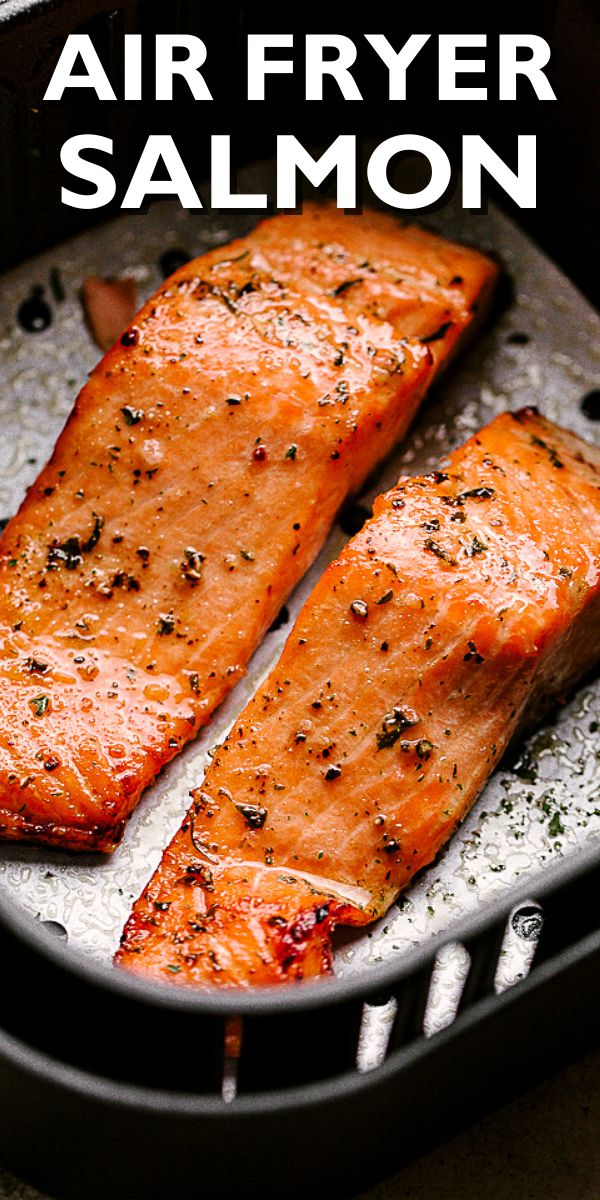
196,479
468,604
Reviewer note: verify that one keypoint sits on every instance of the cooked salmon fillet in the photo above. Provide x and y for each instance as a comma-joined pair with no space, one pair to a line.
194,483
467,604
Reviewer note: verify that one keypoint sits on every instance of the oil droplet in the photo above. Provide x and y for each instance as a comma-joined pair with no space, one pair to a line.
89,671
172,259
527,922
55,929
152,452
156,691
590,406
353,517
282,618
117,751
34,314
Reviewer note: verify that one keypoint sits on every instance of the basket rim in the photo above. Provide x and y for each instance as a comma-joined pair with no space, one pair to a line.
279,1000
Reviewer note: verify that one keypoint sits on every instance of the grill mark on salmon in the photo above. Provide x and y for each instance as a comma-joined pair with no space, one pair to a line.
194,483
461,611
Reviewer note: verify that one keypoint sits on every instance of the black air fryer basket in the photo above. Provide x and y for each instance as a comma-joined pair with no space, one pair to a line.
112,1086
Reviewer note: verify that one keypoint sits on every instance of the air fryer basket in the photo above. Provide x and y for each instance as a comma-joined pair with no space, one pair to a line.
116,1086
113,1086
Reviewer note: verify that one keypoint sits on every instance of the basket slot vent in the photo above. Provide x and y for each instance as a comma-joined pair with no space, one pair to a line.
484,953
233,1037
519,945
229,1083
160,1049
570,914
411,1000
375,1031
291,1048
450,970
232,1048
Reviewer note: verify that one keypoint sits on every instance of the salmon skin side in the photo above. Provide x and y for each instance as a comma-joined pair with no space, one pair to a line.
467,604
193,485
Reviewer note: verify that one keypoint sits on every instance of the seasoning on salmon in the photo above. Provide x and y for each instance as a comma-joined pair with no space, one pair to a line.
370,740
193,485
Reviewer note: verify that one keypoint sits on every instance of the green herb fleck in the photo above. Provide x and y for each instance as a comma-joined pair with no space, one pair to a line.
343,287
40,705
132,415
360,609
551,450
475,547
253,815
439,551
394,723
166,623
479,493
191,567
473,654
424,748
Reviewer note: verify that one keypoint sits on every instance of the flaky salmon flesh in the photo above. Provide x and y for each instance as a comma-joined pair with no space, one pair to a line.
467,605
194,483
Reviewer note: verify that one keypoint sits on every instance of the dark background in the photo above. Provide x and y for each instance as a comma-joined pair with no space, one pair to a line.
32,33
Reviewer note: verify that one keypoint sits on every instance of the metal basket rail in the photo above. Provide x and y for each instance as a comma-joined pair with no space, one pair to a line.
81,1043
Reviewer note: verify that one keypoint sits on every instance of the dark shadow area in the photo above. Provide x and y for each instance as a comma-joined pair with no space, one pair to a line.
33,131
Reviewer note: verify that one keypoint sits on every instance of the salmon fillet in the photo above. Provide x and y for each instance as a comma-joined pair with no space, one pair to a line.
467,604
194,483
